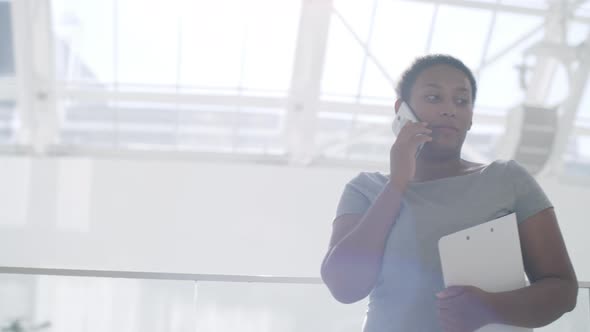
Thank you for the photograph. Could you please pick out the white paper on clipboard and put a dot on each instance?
(487, 256)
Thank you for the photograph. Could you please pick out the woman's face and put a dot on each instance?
(441, 96)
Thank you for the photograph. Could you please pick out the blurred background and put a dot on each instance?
(214, 137)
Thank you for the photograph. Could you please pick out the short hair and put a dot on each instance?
(408, 78)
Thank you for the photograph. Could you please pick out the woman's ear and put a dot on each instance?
(398, 103)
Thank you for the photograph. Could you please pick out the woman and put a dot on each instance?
(385, 235)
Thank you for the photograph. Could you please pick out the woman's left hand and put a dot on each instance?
(464, 309)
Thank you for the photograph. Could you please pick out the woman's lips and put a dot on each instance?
(445, 129)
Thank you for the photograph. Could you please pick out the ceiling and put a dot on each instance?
(304, 82)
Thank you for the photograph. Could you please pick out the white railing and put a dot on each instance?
(158, 275)
(299, 297)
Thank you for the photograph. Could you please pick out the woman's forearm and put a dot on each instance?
(536, 305)
(351, 267)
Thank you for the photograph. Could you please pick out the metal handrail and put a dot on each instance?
(174, 276)
(159, 275)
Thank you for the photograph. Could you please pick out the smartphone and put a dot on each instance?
(403, 115)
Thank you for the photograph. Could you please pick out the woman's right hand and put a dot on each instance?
(402, 156)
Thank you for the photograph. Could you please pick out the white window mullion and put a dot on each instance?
(35, 73)
(303, 101)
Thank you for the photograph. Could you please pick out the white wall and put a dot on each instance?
(197, 217)
(171, 216)
(571, 206)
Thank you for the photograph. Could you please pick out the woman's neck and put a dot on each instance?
(432, 169)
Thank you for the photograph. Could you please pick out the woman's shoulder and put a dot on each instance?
(370, 178)
(369, 183)
(506, 169)
(505, 165)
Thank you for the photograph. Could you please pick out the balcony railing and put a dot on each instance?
(113, 301)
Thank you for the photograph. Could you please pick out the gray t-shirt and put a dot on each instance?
(404, 296)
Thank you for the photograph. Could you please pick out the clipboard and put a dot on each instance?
(487, 256)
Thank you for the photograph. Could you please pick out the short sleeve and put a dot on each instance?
(356, 197)
(530, 198)
(352, 201)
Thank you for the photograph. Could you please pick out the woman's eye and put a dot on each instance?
(432, 98)
(462, 101)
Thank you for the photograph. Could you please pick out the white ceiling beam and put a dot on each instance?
(304, 93)
(503, 8)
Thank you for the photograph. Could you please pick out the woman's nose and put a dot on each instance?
(449, 113)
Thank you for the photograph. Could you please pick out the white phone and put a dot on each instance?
(403, 115)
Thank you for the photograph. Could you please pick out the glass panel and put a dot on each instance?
(147, 41)
(269, 53)
(368, 151)
(395, 51)
(354, 136)
(84, 41)
(257, 307)
(212, 60)
(584, 107)
(377, 89)
(6, 45)
(456, 39)
(140, 125)
(499, 81)
(361, 137)
(154, 45)
(577, 156)
(357, 15)
(118, 123)
(333, 133)
(583, 10)
(76, 304)
(8, 121)
(559, 87)
(508, 29)
(527, 3)
(87, 304)
(577, 32)
(342, 74)
(243, 52)
(483, 138)
(82, 304)
(17, 299)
